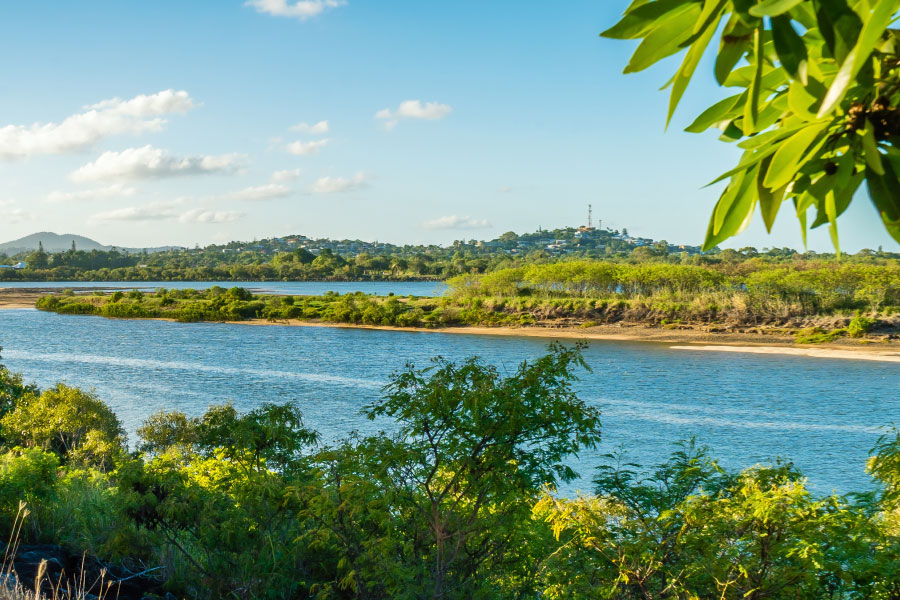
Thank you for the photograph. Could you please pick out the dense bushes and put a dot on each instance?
(752, 292)
(457, 503)
(817, 286)
(567, 293)
(75, 425)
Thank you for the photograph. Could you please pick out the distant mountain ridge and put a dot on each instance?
(54, 242)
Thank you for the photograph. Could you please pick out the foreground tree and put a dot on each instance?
(12, 389)
(816, 109)
(692, 530)
(442, 508)
(76, 425)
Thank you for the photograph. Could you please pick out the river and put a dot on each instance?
(824, 414)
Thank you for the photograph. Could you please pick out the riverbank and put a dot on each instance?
(20, 298)
(683, 337)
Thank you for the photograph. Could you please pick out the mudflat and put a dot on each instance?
(20, 297)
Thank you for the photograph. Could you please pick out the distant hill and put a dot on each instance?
(54, 242)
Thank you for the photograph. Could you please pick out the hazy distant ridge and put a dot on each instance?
(54, 242)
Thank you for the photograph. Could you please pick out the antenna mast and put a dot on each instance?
(590, 214)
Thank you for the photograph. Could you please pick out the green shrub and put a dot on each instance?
(123, 310)
(76, 308)
(860, 326)
(76, 425)
(817, 335)
(50, 303)
(239, 293)
(26, 475)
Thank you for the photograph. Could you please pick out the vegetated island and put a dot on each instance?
(828, 303)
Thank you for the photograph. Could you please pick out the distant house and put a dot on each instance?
(17, 266)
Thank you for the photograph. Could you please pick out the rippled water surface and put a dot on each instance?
(824, 414)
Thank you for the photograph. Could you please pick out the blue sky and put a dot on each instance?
(168, 122)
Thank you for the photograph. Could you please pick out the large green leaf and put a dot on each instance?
(770, 137)
(751, 107)
(720, 212)
(772, 8)
(831, 212)
(730, 53)
(804, 100)
(666, 39)
(733, 211)
(769, 200)
(839, 26)
(712, 13)
(689, 65)
(750, 159)
(791, 155)
(790, 48)
(801, 205)
(639, 21)
(870, 149)
(773, 112)
(723, 110)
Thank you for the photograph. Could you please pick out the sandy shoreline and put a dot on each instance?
(814, 352)
(678, 339)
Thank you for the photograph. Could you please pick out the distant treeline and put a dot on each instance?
(435, 263)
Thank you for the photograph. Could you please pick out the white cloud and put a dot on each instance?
(268, 191)
(199, 215)
(504, 189)
(149, 163)
(106, 118)
(455, 222)
(316, 128)
(286, 175)
(307, 148)
(104, 193)
(336, 185)
(159, 211)
(413, 109)
(298, 9)
(12, 216)
(165, 211)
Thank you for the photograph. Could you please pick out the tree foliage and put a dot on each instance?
(815, 111)
(455, 502)
(75, 424)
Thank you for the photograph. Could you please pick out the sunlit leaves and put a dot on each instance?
(817, 109)
(885, 193)
(734, 209)
(872, 31)
(790, 48)
(773, 8)
(790, 156)
(665, 39)
(642, 19)
(691, 60)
